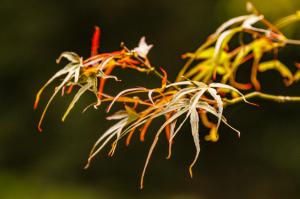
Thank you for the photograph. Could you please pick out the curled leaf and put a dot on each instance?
(194, 120)
(280, 67)
(70, 56)
(297, 76)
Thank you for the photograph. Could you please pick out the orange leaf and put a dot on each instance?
(130, 134)
(37, 99)
(70, 89)
(167, 129)
(144, 130)
(102, 82)
(164, 79)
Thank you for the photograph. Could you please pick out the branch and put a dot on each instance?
(256, 94)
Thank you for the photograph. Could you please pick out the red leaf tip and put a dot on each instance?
(40, 129)
(95, 41)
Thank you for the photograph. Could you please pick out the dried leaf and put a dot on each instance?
(194, 120)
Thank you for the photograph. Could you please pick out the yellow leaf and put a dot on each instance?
(280, 67)
(288, 20)
(205, 54)
(297, 76)
(213, 135)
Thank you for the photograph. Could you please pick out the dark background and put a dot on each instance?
(263, 163)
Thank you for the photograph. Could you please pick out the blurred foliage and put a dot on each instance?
(263, 163)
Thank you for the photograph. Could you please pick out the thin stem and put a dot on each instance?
(152, 69)
(292, 41)
(147, 64)
(265, 96)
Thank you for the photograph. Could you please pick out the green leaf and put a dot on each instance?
(82, 90)
(132, 114)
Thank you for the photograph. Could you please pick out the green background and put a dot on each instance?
(263, 163)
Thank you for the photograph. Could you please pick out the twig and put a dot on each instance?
(227, 102)
(265, 96)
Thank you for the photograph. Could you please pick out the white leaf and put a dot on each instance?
(118, 115)
(150, 96)
(143, 48)
(71, 56)
(219, 85)
(252, 20)
(218, 99)
(194, 120)
(179, 84)
(230, 22)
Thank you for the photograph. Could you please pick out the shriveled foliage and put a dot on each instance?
(205, 85)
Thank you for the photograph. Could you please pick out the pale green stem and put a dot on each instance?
(256, 94)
